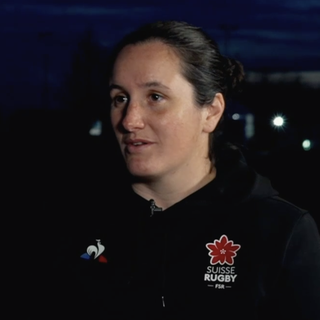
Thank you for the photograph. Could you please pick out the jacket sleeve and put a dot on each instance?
(302, 269)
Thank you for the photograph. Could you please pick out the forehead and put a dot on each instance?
(149, 49)
(153, 57)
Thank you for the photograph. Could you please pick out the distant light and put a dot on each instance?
(96, 128)
(249, 128)
(306, 145)
(236, 116)
(278, 121)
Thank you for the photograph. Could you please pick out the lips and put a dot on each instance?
(136, 145)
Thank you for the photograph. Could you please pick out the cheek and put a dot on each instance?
(180, 132)
(170, 126)
(188, 124)
(115, 118)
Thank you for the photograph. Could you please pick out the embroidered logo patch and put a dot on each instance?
(222, 252)
(95, 252)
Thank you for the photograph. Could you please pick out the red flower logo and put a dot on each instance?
(222, 251)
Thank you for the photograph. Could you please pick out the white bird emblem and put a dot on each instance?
(96, 250)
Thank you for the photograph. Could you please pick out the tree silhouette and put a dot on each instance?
(86, 91)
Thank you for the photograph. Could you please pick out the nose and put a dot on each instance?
(133, 117)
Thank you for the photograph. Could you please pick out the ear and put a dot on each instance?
(214, 112)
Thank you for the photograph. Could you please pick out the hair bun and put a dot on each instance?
(234, 76)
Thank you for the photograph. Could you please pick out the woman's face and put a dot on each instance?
(159, 128)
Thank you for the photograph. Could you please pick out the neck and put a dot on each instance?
(170, 190)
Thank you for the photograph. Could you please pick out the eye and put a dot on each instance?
(119, 100)
(156, 97)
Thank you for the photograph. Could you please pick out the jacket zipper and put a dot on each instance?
(154, 208)
(163, 269)
(163, 302)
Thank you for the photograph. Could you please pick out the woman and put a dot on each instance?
(162, 126)
(194, 233)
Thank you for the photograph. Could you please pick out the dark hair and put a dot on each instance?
(203, 66)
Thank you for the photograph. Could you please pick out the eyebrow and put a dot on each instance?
(155, 84)
(115, 86)
(146, 85)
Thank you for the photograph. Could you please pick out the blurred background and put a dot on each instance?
(55, 137)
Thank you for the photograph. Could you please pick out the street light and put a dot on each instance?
(278, 121)
(306, 144)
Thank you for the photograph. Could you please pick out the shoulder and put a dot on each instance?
(275, 215)
(277, 208)
(272, 222)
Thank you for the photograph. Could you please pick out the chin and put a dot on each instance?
(141, 173)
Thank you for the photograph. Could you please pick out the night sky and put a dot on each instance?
(273, 35)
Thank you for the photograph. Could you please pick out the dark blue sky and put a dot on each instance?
(280, 35)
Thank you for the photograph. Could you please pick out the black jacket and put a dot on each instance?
(232, 250)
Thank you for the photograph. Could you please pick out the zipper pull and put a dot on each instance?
(154, 208)
(163, 303)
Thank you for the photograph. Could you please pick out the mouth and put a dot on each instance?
(138, 143)
(134, 146)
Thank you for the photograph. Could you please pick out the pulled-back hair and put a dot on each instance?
(203, 66)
